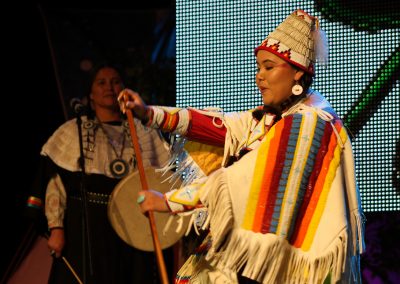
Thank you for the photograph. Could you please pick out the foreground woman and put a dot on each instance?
(283, 207)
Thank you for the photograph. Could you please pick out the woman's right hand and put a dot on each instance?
(132, 100)
(56, 241)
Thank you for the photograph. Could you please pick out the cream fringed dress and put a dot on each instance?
(288, 211)
(113, 261)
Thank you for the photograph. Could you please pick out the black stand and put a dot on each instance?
(86, 249)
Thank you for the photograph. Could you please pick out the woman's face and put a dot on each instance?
(105, 88)
(275, 78)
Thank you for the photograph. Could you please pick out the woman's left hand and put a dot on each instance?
(151, 200)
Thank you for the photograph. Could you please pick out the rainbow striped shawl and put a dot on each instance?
(289, 211)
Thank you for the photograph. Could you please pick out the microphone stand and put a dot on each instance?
(86, 249)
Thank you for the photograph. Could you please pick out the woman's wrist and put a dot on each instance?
(147, 116)
(56, 228)
(173, 207)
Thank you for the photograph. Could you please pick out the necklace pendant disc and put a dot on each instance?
(119, 168)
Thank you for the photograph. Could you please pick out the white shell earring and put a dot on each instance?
(297, 89)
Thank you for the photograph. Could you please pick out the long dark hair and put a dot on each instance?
(305, 81)
(92, 76)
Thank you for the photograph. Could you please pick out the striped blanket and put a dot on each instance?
(288, 211)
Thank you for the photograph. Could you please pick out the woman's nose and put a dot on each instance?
(260, 76)
(109, 86)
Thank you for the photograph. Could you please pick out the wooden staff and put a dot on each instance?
(145, 186)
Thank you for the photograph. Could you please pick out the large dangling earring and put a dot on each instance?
(297, 89)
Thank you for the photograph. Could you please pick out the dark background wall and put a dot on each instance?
(30, 112)
(47, 51)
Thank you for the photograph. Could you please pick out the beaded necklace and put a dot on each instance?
(118, 167)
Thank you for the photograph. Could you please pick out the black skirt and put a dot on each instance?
(105, 258)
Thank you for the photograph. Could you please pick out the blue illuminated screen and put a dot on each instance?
(216, 68)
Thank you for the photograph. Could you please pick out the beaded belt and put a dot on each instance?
(94, 197)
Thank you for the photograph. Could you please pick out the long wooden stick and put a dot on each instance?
(157, 247)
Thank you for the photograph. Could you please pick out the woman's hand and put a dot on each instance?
(56, 241)
(129, 99)
(151, 200)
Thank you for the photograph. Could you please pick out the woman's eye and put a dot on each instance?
(258, 69)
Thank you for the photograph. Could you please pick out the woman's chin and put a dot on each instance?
(266, 101)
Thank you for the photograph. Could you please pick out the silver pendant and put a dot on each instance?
(119, 168)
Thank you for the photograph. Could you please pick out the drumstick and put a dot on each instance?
(143, 180)
(66, 262)
(72, 270)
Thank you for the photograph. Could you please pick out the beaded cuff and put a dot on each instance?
(169, 119)
(34, 202)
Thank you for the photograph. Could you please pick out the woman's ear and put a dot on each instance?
(91, 96)
(298, 75)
